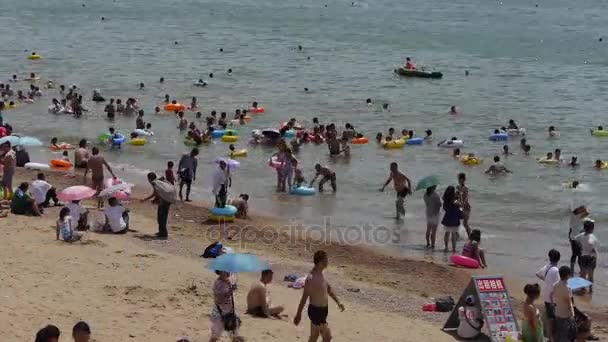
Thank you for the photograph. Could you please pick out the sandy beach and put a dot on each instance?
(134, 288)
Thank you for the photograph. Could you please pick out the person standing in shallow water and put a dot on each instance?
(402, 186)
(433, 207)
(462, 195)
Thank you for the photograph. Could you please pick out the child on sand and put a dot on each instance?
(64, 229)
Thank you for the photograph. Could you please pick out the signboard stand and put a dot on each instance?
(494, 303)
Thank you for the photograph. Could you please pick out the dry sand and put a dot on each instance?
(133, 288)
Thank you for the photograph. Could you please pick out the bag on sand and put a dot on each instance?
(165, 190)
(444, 304)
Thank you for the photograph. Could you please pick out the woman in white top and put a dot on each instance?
(117, 218)
(589, 247)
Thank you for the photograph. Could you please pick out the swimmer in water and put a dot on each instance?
(162, 80)
(193, 104)
(553, 133)
(456, 153)
(157, 110)
(558, 154)
(345, 148)
(522, 143)
(505, 151)
(65, 156)
(379, 138)
(327, 176)
(141, 86)
(167, 98)
(429, 135)
(549, 156)
(229, 71)
(368, 102)
(211, 75)
(497, 167)
(453, 110)
(200, 83)
(573, 162)
(391, 131)
(404, 133)
(527, 149)
(182, 122)
(385, 106)
(53, 144)
(512, 124)
(599, 164)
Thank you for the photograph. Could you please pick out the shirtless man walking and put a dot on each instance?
(317, 289)
(402, 185)
(96, 163)
(327, 176)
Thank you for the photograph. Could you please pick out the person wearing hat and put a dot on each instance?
(589, 245)
(470, 318)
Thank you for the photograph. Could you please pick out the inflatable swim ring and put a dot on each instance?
(61, 147)
(175, 107)
(143, 132)
(464, 261)
(228, 210)
(466, 160)
(451, 143)
(28, 101)
(303, 191)
(257, 110)
(238, 153)
(359, 141)
(217, 218)
(546, 161)
(10, 106)
(231, 132)
(604, 165)
(120, 195)
(415, 141)
(34, 57)
(32, 79)
(498, 137)
(61, 163)
(118, 139)
(218, 133)
(138, 141)
(516, 132)
(597, 133)
(289, 134)
(36, 166)
(104, 138)
(399, 143)
(230, 138)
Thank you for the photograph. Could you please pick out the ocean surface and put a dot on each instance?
(539, 63)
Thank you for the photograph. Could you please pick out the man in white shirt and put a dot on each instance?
(549, 274)
(221, 182)
(589, 246)
(44, 192)
(117, 218)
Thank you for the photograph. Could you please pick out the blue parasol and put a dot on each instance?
(238, 263)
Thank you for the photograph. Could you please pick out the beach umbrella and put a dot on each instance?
(238, 263)
(427, 182)
(23, 141)
(233, 164)
(578, 283)
(271, 133)
(13, 139)
(76, 193)
(117, 191)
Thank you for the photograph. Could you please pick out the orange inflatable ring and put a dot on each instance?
(257, 110)
(61, 147)
(61, 163)
(175, 107)
(360, 141)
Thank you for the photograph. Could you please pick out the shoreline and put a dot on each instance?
(374, 278)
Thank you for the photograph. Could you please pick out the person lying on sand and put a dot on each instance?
(258, 298)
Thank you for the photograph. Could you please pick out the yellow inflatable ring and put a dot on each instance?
(138, 141)
(546, 161)
(220, 219)
(239, 153)
(230, 138)
(34, 57)
(466, 160)
(399, 143)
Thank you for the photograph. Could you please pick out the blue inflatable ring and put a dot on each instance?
(228, 210)
(303, 191)
(415, 141)
(499, 137)
(289, 134)
(218, 133)
(118, 139)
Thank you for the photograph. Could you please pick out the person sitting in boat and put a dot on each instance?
(409, 64)
(512, 124)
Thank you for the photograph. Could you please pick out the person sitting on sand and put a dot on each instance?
(327, 176)
(81, 332)
(241, 205)
(497, 168)
(23, 203)
(64, 229)
(472, 250)
(44, 192)
(116, 217)
(258, 298)
(79, 215)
